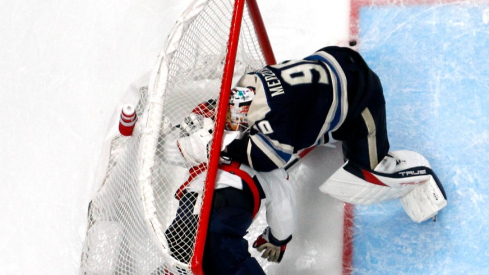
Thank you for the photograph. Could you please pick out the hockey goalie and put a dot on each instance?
(135, 226)
(297, 105)
(327, 96)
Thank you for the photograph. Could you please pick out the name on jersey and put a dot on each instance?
(272, 81)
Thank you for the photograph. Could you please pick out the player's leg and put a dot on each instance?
(179, 233)
(226, 251)
(402, 174)
(366, 146)
(364, 133)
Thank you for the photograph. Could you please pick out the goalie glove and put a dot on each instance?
(273, 249)
(194, 146)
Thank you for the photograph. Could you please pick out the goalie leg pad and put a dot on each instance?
(402, 174)
(425, 201)
(354, 185)
(178, 234)
(226, 250)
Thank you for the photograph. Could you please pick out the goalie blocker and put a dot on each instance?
(401, 174)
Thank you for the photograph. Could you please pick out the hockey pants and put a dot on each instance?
(364, 133)
(226, 250)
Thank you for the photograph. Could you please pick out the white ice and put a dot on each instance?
(63, 67)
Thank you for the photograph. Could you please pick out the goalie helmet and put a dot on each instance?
(239, 103)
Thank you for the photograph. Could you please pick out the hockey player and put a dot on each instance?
(333, 95)
(239, 192)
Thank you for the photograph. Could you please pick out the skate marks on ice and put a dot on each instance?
(317, 245)
(432, 61)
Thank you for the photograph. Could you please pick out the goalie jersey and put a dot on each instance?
(298, 104)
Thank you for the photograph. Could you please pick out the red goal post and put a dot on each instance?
(221, 115)
(213, 43)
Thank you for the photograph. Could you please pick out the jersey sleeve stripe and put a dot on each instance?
(340, 91)
(277, 157)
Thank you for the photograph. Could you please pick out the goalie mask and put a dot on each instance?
(239, 103)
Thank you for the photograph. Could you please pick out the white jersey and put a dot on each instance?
(277, 197)
(279, 200)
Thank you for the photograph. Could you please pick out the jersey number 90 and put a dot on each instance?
(300, 72)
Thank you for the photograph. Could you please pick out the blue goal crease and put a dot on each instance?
(433, 63)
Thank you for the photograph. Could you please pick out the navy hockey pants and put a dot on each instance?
(226, 251)
(364, 132)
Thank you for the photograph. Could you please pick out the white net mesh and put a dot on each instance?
(129, 218)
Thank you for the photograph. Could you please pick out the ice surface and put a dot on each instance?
(432, 60)
(64, 65)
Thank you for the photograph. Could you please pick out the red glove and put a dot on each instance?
(273, 249)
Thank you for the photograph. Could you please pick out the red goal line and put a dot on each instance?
(356, 5)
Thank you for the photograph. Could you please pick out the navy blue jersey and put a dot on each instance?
(299, 103)
(296, 103)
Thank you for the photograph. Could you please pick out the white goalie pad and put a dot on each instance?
(350, 188)
(402, 174)
(194, 148)
(425, 201)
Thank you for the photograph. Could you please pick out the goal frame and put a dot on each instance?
(232, 47)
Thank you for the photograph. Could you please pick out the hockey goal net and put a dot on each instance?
(131, 212)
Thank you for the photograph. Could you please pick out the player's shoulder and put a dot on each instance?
(337, 49)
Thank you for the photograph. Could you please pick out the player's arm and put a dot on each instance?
(281, 215)
(237, 150)
(256, 151)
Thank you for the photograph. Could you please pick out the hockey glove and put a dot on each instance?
(273, 249)
(237, 149)
(194, 147)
